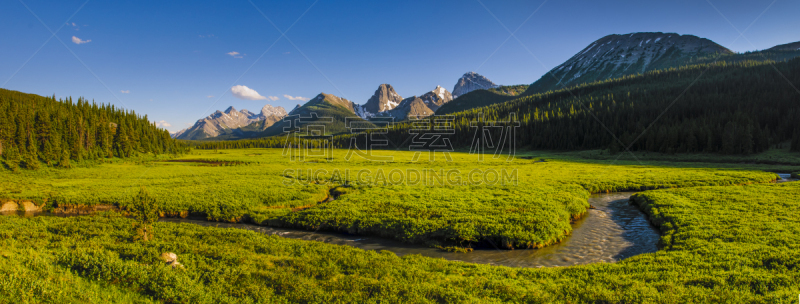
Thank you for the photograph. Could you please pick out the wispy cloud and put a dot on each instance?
(243, 92)
(295, 97)
(163, 124)
(77, 40)
(207, 36)
(235, 54)
(124, 91)
(273, 98)
(287, 53)
(210, 96)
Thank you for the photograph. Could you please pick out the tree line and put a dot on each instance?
(37, 130)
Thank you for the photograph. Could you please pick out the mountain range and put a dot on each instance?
(230, 121)
(412, 107)
(385, 102)
(609, 57)
(616, 56)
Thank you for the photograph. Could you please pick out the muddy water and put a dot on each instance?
(613, 231)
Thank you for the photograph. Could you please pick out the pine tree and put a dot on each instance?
(122, 145)
(144, 211)
(64, 162)
(12, 157)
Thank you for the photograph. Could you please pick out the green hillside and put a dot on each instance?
(737, 108)
(549, 83)
(325, 109)
(480, 98)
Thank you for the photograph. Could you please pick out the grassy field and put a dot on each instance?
(454, 204)
(731, 244)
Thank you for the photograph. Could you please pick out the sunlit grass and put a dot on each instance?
(730, 244)
(533, 208)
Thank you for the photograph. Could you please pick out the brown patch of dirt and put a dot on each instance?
(83, 209)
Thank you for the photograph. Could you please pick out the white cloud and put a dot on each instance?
(235, 54)
(163, 124)
(243, 92)
(273, 98)
(210, 96)
(124, 91)
(295, 97)
(287, 53)
(77, 40)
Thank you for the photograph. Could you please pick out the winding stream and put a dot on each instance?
(613, 231)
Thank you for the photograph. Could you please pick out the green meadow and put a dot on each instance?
(729, 244)
(466, 202)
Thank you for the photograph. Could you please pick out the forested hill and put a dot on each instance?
(730, 108)
(549, 81)
(36, 130)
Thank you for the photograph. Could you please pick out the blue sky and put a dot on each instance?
(174, 60)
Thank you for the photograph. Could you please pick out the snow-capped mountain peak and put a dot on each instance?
(436, 98)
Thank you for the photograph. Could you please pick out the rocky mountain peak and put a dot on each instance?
(384, 99)
(412, 107)
(436, 98)
(269, 110)
(472, 81)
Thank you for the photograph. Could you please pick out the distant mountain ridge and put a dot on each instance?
(224, 122)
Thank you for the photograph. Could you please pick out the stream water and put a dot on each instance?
(612, 231)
